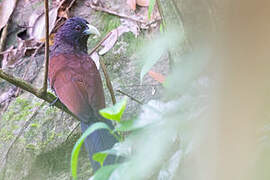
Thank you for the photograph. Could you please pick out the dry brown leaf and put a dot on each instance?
(132, 4)
(111, 40)
(143, 3)
(157, 76)
(6, 9)
(10, 56)
(13, 56)
(51, 39)
(37, 24)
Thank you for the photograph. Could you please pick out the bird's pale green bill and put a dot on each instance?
(91, 30)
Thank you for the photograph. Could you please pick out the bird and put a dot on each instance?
(75, 79)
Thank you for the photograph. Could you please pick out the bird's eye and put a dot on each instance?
(78, 28)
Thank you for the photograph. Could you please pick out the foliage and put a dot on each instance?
(151, 7)
(114, 112)
(77, 147)
(161, 126)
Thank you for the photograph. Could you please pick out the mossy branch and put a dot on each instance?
(48, 97)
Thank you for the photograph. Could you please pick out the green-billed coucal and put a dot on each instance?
(76, 80)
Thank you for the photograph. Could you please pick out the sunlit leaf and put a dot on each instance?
(100, 157)
(161, 28)
(77, 147)
(114, 112)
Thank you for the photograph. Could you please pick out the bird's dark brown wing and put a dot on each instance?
(77, 83)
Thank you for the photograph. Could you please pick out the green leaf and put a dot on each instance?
(151, 7)
(105, 172)
(124, 126)
(161, 28)
(114, 112)
(100, 157)
(77, 147)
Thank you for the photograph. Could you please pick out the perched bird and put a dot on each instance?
(76, 81)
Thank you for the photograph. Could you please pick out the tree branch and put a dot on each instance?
(44, 88)
(49, 97)
(108, 81)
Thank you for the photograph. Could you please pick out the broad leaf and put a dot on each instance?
(77, 147)
(100, 157)
(114, 112)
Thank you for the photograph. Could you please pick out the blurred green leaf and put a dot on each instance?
(161, 28)
(114, 112)
(105, 172)
(151, 7)
(77, 147)
(159, 45)
(125, 126)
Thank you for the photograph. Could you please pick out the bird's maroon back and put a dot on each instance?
(77, 83)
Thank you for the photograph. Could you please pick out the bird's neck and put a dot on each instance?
(62, 45)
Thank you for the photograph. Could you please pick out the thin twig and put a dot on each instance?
(46, 58)
(108, 81)
(97, 8)
(71, 4)
(100, 43)
(26, 124)
(3, 41)
(4, 37)
(132, 98)
(72, 131)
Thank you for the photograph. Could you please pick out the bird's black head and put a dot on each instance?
(75, 33)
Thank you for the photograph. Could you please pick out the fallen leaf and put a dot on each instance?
(13, 56)
(37, 24)
(157, 76)
(132, 4)
(143, 3)
(111, 40)
(9, 57)
(6, 9)
(95, 58)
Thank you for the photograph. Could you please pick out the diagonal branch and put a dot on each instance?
(49, 97)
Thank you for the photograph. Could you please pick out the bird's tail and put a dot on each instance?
(97, 141)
